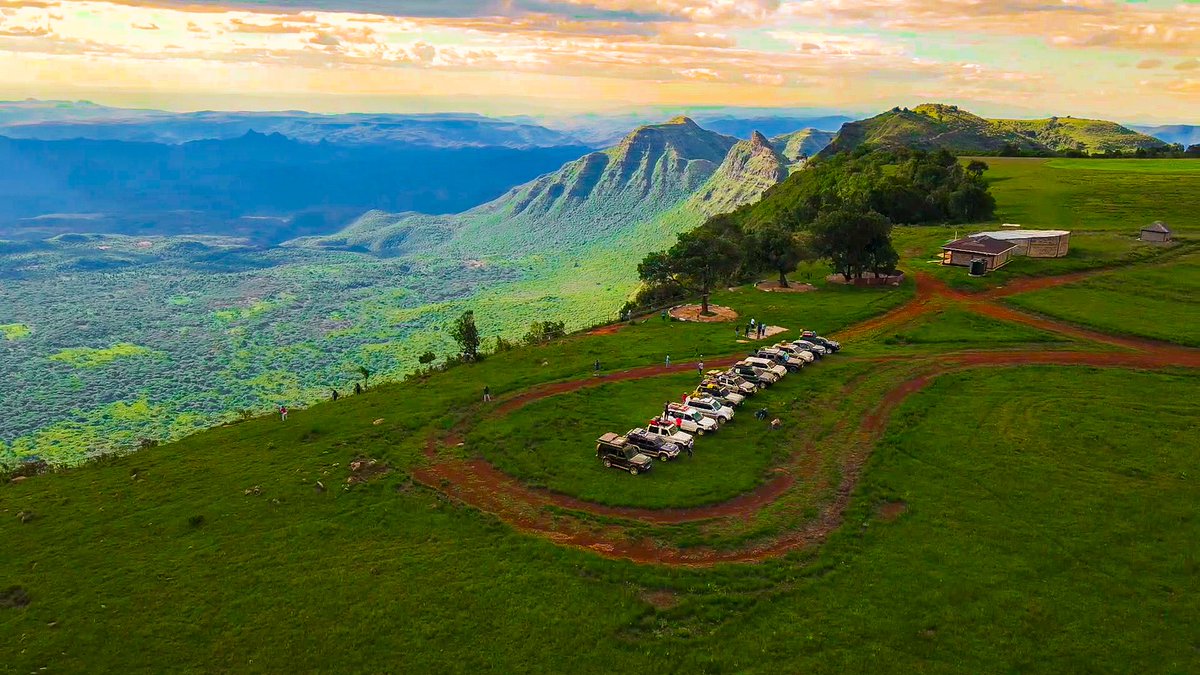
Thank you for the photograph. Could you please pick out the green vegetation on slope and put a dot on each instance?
(933, 125)
(1159, 301)
(219, 553)
(14, 331)
(1091, 195)
(93, 357)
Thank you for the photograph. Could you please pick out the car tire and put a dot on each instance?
(700, 431)
(633, 471)
(608, 463)
(664, 457)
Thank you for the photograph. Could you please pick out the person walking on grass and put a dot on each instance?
(700, 368)
(283, 413)
(487, 394)
(596, 369)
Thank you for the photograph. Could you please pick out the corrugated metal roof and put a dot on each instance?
(1023, 234)
(980, 244)
(1157, 226)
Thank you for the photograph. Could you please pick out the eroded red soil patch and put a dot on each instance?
(716, 314)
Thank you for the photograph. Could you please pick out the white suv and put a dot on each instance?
(711, 408)
(690, 419)
(767, 365)
(671, 432)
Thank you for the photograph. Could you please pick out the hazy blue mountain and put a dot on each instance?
(55, 120)
(267, 187)
(1183, 134)
(602, 130)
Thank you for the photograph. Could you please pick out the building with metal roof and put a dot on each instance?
(1156, 231)
(996, 253)
(1035, 243)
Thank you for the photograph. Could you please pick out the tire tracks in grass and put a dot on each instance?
(479, 484)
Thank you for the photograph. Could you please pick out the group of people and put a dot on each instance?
(753, 329)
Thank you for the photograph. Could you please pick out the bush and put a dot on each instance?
(541, 332)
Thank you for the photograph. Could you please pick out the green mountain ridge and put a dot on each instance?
(657, 181)
(798, 146)
(934, 125)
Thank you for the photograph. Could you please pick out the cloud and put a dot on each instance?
(1188, 64)
(1148, 64)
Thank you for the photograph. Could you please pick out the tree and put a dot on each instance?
(541, 332)
(466, 335)
(854, 241)
(977, 167)
(366, 374)
(698, 262)
(778, 249)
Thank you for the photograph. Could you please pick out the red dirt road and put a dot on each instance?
(478, 484)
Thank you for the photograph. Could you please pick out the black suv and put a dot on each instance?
(652, 444)
(616, 451)
(831, 345)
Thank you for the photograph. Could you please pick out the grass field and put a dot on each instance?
(551, 443)
(997, 564)
(961, 329)
(1094, 195)
(1155, 301)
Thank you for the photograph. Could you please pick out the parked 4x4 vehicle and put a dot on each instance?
(669, 430)
(767, 365)
(733, 381)
(832, 345)
(616, 451)
(816, 349)
(781, 358)
(720, 392)
(690, 419)
(711, 408)
(797, 353)
(653, 444)
(754, 374)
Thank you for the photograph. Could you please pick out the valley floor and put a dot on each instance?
(968, 487)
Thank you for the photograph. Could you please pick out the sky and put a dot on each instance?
(1117, 59)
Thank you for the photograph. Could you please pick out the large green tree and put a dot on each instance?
(466, 334)
(855, 241)
(698, 262)
(777, 248)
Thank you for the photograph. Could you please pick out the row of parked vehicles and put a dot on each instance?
(710, 406)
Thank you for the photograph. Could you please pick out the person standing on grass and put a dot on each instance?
(335, 394)
(668, 361)
(597, 368)
(700, 368)
(357, 388)
(487, 393)
(283, 413)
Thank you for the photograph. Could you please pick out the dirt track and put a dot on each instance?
(478, 484)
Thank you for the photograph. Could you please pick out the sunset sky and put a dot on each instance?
(1133, 61)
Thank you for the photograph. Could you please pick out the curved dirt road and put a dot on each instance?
(564, 519)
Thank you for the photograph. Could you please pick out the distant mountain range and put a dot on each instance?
(267, 188)
(933, 126)
(658, 180)
(55, 120)
(1183, 134)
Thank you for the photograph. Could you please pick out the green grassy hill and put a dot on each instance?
(933, 125)
(989, 531)
(799, 145)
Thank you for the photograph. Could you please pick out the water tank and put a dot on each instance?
(978, 267)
